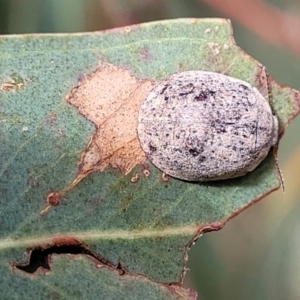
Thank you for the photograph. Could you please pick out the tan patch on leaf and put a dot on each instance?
(8, 86)
(110, 98)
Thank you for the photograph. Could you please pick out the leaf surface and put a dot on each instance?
(57, 183)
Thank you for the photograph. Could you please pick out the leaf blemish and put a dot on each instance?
(16, 83)
(146, 173)
(135, 178)
(146, 54)
(110, 97)
(9, 86)
(165, 177)
(54, 198)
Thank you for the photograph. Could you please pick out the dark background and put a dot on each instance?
(256, 255)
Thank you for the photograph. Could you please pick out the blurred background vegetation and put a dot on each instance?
(256, 255)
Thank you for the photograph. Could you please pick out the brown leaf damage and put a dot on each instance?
(110, 98)
(39, 257)
(41, 260)
(8, 86)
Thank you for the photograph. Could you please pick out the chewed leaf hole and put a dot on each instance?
(40, 257)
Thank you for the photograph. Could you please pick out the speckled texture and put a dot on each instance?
(202, 126)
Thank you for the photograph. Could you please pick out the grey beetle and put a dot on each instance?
(202, 126)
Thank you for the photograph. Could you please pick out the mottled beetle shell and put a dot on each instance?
(202, 126)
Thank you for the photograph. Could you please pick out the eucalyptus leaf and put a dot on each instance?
(138, 223)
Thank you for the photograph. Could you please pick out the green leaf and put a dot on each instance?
(50, 201)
